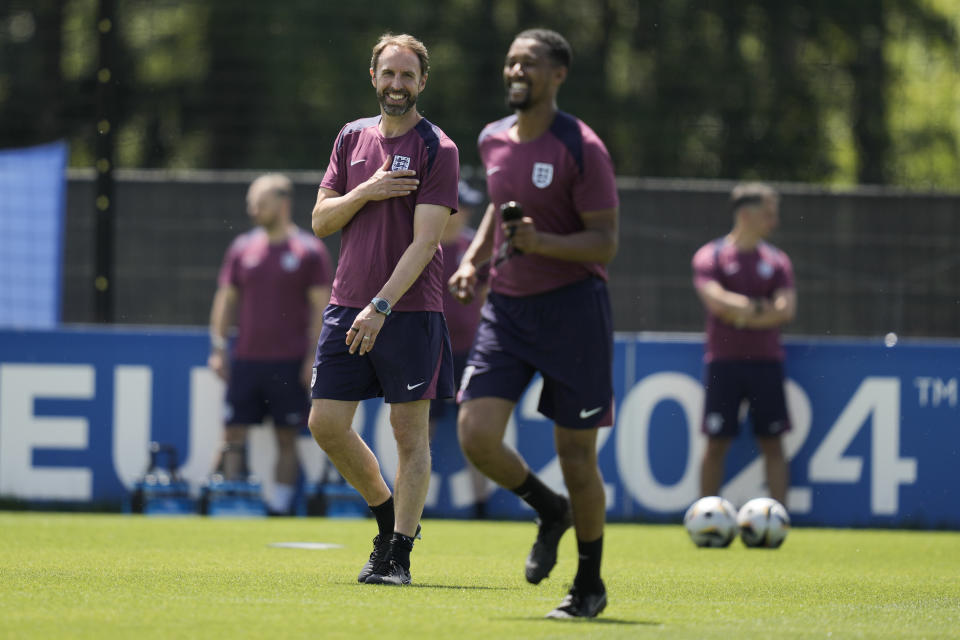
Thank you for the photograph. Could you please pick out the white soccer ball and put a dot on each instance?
(711, 522)
(763, 522)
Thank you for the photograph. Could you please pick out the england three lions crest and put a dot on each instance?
(400, 163)
(542, 174)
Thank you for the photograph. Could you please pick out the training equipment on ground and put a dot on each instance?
(236, 496)
(161, 490)
(331, 496)
(711, 522)
(763, 522)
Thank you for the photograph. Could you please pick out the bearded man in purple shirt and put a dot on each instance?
(746, 286)
(390, 188)
(548, 310)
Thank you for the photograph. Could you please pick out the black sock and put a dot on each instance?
(480, 510)
(588, 569)
(400, 548)
(384, 515)
(547, 504)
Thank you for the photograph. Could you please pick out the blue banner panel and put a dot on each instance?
(874, 434)
(874, 439)
(32, 203)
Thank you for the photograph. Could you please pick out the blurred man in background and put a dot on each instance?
(548, 309)
(462, 321)
(273, 285)
(390, 186)
(746, 286)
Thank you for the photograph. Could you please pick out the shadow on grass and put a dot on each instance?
(423, 585)
(648, 623)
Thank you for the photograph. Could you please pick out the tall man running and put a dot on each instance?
(548, 308)
(391, 186)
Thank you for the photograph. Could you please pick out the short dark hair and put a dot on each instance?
(557, 46)
(751, 193)
(404, 41)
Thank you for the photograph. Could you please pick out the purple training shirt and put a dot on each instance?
(757, 274)
(555, 178)
(373, 241)
(273, 318)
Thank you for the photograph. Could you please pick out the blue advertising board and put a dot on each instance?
(875, 435)
(33, 188)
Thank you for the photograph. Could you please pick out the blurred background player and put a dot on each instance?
(548, 309)
(273, 285)
(462, 321)
(746, 286)
(390, 186)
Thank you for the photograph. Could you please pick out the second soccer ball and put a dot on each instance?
(763, 522)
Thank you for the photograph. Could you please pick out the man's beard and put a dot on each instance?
(396, 109)
(518, 104)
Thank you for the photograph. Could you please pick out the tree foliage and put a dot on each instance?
(837, 91)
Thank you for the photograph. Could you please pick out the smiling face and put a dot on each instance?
(530, 76)
(398, 80)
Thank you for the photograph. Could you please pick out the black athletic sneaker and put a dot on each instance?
(389, 571)
(543, 555)
(381, 549)
(580, 604)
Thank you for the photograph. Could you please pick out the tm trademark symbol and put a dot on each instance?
(935, 392)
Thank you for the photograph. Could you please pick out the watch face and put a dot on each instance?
(381, 305)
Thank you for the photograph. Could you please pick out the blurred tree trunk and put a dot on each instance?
(792, 114)
(49, 115)
(599, 65)
(869, 109)
(735, 101)
(236, 90)
(32, 47)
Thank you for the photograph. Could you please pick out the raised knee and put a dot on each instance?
(478, 444)
(473, 439)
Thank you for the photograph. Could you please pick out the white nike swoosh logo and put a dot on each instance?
(584, 414)
(492, 170)
(358, 161)
(411, 387)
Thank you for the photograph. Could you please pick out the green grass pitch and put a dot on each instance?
(115, 576)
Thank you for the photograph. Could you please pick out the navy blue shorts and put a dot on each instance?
(565, 334)
(439, 409)
(727, 384)
(259, 388)
(411, 359)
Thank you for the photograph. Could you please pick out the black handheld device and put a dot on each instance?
(511, 211)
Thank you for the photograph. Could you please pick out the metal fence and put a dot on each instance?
(868, 261)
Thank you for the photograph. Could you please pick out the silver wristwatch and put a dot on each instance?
(381, 305)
